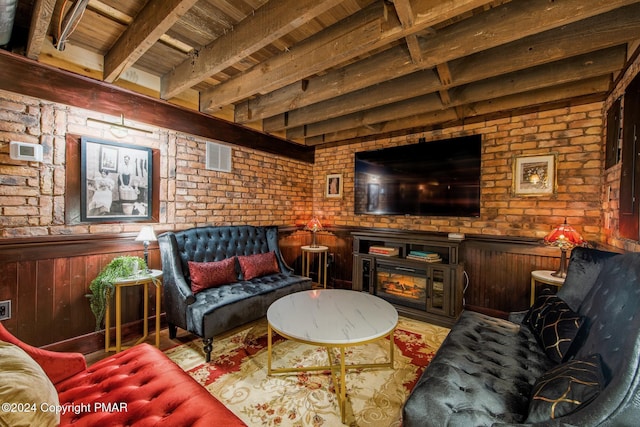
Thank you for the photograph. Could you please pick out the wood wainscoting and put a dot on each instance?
(47, 278)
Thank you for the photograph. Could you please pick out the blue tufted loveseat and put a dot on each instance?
(487, 369)
(221, 308)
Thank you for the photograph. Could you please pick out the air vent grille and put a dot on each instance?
(218, 157)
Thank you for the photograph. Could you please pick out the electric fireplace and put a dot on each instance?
(401, 285)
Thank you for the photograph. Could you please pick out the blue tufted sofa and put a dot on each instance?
(493, 372)
(221, 308)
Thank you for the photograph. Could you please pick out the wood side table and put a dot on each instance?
(544, 276)
(144, 280)
(323, 252)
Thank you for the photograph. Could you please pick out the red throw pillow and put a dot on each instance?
(206, 275)
(258, 265)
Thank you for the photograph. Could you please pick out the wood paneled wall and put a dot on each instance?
(47, 279)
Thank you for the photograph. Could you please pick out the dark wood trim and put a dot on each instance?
(25, 76)
(66, 246)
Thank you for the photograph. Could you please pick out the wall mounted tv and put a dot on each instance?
(436, 178)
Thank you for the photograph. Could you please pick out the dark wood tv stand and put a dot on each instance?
(428, 291)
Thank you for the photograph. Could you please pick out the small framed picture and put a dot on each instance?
(534, 175)
(333, 186)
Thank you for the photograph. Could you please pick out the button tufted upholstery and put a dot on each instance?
(484, 372)
(137, 387)
(219, 309)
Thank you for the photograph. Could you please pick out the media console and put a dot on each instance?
(420, 274)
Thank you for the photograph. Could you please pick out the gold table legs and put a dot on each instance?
(338, 371)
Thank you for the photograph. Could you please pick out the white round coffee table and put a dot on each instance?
(332, 318)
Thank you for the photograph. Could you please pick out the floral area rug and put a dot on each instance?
(237, 376)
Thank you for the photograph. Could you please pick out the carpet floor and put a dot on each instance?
(237, 376)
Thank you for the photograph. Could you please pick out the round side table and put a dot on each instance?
(544, 276)
(307, 252)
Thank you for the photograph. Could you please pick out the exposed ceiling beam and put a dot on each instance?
(354, 36)
(155, 19)
(590, 90)
(565, 71)
(269, 23)
(40, 21)
(405, 14)
(465, 38)
(596, 33)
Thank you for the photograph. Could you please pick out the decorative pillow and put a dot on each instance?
(26, 390)
(205, 275)
(533, 316)
(564, 388)
(258, 265)
(555, 326)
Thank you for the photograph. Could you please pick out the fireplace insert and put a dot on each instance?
(402, 285)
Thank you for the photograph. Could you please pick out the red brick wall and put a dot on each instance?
(574, 133)
(266, 189)
(262, 189)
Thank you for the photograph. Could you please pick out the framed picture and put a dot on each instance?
(333, 186)
(534, 175)
(115, 181)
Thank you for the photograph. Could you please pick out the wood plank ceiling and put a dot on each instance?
(317, 72)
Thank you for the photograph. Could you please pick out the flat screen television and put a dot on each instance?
(436, 178)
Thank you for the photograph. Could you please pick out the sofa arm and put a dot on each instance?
(58, 366)
(177, 292)
(273, 243)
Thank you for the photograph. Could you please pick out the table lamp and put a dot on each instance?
(313, 225)
(146, 235)
(565, 237)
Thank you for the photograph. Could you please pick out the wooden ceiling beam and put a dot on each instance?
(396, 62)
(155, 19)
(406, 15)
(40, 21)
(269, 23)
(357, 35)
(565, 71)
(595, 33)
(31, 78)
(583, 91)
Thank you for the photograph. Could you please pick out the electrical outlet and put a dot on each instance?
(5, 310)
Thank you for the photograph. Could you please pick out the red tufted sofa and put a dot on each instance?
(139, 386)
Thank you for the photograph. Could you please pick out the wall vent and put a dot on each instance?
(218, 157)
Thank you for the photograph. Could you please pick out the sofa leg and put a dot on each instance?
(173, 331)
(208, 346)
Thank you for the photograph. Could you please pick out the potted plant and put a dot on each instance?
(118, 268)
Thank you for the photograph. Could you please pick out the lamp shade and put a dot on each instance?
(313, 225)
(564, 236)
(146, 234)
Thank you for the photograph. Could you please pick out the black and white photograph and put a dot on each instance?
(115, 181)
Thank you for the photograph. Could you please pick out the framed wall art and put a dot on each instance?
(534, 175)
(333, 186)
(115, 181)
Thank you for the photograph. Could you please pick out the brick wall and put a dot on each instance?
(262, 188)
(574, 133)
(266, 189)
